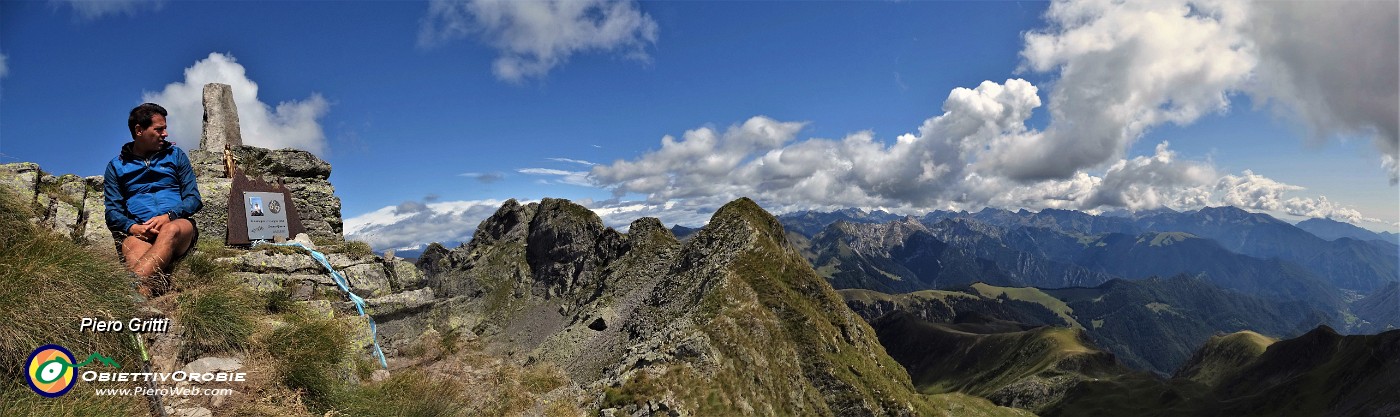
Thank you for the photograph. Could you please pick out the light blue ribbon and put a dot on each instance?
(344, 286)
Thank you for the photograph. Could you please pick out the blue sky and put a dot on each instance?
(432, 113)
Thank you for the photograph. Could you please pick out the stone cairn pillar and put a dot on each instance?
(220, 119)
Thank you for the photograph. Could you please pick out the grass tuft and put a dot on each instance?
(215, 319)
(353, 248)
(17, 400)
(310, 353)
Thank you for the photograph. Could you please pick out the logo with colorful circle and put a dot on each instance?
(51, 369)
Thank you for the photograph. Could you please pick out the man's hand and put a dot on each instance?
(156, 222)
(142, 231)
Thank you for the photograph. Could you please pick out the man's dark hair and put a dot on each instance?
(142, 115)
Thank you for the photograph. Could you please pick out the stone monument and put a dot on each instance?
(220, 119)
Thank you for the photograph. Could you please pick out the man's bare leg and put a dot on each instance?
(172, 240)
(133, 249)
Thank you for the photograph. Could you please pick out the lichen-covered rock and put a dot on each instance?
(287, 162)
(263, 262)
(261, 283)
(59, 215)
(341, 261)
(304, 175)
(20, 177)
(206, 164)
(399, 303)
(212, 219)
(94, 220)
(405, 276)
(368, 280)
(318, 206)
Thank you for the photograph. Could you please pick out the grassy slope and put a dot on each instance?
(786, 342)
(1224, 355)
(46, 284)
(1033, 295)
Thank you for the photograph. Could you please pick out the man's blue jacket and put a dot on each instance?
(137, 189)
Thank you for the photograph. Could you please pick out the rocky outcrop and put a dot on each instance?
(731, 322)
(68, 204)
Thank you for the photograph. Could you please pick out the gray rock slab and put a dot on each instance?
(398, 303)
(370, 278)
(213, 364)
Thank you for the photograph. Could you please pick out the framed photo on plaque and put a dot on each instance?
(266, 218)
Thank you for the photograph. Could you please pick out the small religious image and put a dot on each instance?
(255, 206)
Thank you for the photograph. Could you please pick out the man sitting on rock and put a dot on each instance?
(150, 194)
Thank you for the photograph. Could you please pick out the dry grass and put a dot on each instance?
(47, 284)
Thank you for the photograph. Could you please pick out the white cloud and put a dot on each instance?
(572, 161)
(96, 9)
(936, 169)
(1123, 68)
(292, 124)
(698, 164)
(413, 223)
(533, 37)
(1126, 67)
(4, 67)
(579, 178)
(1150, 182)
(1257, 192)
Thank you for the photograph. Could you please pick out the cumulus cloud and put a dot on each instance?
(1121, 69)
(96, 9)
(291, 124)
(1149, 182)
(1334, 65)
(938, 168)
(533, 37)
(1125, 67)
(699, 163)
(1257, 192)
(760, 158)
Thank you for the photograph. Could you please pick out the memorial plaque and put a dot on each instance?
(266, 216)
(259, 210)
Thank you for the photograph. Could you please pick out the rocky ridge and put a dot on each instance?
(730, 322)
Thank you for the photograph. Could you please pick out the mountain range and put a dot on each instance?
(1058, 313)
(989, 313)
(1148, 287)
